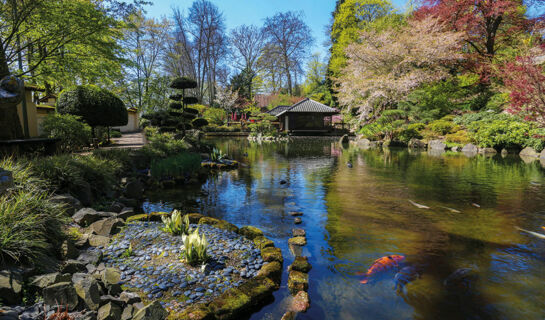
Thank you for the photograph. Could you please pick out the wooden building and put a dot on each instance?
(306, 116)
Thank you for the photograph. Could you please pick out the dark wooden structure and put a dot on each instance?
(306, 117)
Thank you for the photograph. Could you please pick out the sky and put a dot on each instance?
(317, 13)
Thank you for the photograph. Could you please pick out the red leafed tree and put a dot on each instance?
(525, 78)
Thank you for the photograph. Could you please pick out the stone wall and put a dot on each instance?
(6, 180)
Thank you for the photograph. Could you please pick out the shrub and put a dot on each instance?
(442, 127)
(411, 132)
(30, 224)
(74, 135)
(122, 157)
(195, 248)
(96, 106)
(501, 133)
(215, 116)
(176, 166)
(460, 137)
(162, 145)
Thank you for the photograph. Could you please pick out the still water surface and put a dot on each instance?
(353, 216)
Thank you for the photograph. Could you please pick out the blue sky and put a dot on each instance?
(317, 12)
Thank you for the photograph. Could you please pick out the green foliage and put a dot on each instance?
(217, 155)
(67, 173)
(412, 131)
(176, 166)
(460, 137)
(199, 123)
(183, 83)
(125, 158)
(96, 106)
(442, 127)
(195, 248)
(30, 224)
(128, 252)
(263, 124)
(74, 135)
(162, 145)
(501, 131)
(175, 224)
(215, 116)
(387, 126)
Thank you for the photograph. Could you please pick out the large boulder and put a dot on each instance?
(106, 227)
(250, 232)
(436, 145)
(86, 216)
(529, 152)
(470, 148)
(88, 289)
(61, 294)
(153, 311)
(134, 189)
(69, 203)
(110, 276)
(40, 282)
(10, 287)
(69, 250)
(416, 144)
(98, 241)
(72, 266)
(109, 311)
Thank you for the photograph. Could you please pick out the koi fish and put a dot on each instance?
(382, 264)
(476, 205)
(535, 234)
(419, 206)
(451, 210)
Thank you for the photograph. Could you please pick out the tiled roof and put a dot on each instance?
(278, 110)
(309, 106)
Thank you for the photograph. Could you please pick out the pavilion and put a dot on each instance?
(306, 116)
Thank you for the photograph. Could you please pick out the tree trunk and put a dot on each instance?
(10, 126)
(4, 69)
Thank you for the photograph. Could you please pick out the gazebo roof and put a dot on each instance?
(308, 106)
(277, 110)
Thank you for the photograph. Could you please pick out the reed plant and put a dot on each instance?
(176, 166)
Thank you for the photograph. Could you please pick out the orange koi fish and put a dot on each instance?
(382, 264)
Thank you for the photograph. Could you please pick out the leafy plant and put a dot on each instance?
(128, 252)
(195, 248)
(175, 224)
(176, 166)
(73, 133)
(217, 155)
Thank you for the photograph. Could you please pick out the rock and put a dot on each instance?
(90, 257)
(416, 144)
(300, 302)
(297, 220)
(271, 270)
(344, 139)
(194, 217)
(295, 213)
(270, 254)
(69, 250)
(116, 207)
(258, 289)
(283, 182)
(262, 242)
(250, 232)
(69, 203)
(105, 299)
(196, 312)
(290, 315)
(529, 152)
(82, 191)
(487, 151)
(437, 145)
(300, 264)
(134, 189)
(10, 287)
(106, 227)
(504, 152)
(127, 313)
(109, 311)
(299, 241)
(98, 241)
(86, 216)
(61, 294)
(40, 282)
(153, 311)
(298, 232)
(110, 276)
(88, 290)
(470, 148)
(83, 241)
(129, 297)
(297, 281)
(125, 213)
(542, 154)
(73, 266)
(220, 224)
(456, 149)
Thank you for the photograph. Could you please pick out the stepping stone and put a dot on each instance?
(297, 220)
(299, 241)
(295, 213)
(298, 232)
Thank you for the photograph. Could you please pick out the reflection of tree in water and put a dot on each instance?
(369, 216)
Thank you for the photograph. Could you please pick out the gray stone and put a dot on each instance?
(72, 266)
(529, 152)
(542, 154)
(98, 241)
(106, 227)
(125, 213)
(470, 148)
(90, 257)
(68, 202)
(69, 250)
(129, 297)
(127, 313)
(436, 145)
(489, 151)
(110, 276)
(153, 311)
(109, 311)
(61, 294)
(134, 189)
(10, 287)
(88, 290)
(40, 282)
(86, 216)
(416, 144)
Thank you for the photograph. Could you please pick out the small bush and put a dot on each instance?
(461, 138)
(504, 133)
(442, 127)
(30, 224)
(176, 166)
(74, 135)
(162, 145)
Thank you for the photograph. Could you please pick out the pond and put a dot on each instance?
(355, 215)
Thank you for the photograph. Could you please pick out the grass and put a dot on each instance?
(176, 166)
(30, 224)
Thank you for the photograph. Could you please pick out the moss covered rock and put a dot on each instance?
(231, 304)
(220, 224)
(262, 242)
(259, 289)
(194, 312)
(298, 241)
(301, 264)
(300, 302)
(270, 254)
(153, 216)
(194, 217)
(297, 281)
(272, 270)
(251, 232)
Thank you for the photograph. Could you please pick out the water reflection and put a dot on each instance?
(355, 215)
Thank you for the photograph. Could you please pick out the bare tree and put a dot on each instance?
(247, 44)
(289, 34)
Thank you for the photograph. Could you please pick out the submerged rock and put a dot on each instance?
(299, 241)
(297, 281)
(300, 264)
